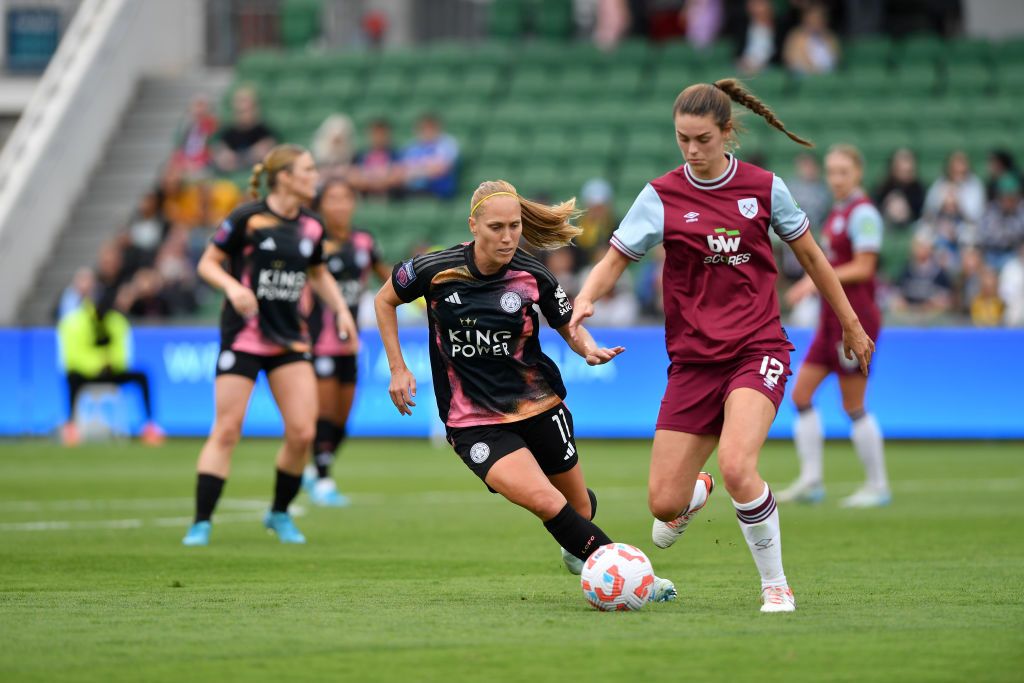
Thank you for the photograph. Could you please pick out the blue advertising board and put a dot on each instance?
(926, 383)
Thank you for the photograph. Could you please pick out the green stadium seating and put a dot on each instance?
(553, 19)
(873, 51)
(924, 49)
(968, 79)
(507, 18)
(915, 79)
(300, 22)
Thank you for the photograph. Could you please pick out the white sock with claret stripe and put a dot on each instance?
(810, 445)
(759, 522)
(867, 441)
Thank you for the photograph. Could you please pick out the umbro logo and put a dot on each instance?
(691, 217)
(268, 244)
(453, 299)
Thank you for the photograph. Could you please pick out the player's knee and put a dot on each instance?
(300, 436)
(666, 504)
(737, 474)
(226, 433)
(854, 409)
(544, 503)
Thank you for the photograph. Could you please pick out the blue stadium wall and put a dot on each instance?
(927, 383)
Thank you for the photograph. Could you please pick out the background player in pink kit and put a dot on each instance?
(262, 257)
(729, 354)
(350, 256)
(852, 238)
(498, 394)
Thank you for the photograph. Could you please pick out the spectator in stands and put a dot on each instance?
(925, 287)
(1001, 230)
(110, 272)
(1011, 289)
(900, 197)
(145, 232)
(376, 170)
(333, 146)
(757, 39)
(177, 271)
(193, 153)
(94, 348)
(611, 22)
(968, 279)
(143, 297)
(247, 138)
(564, 264)
(430, 164)
(948, 228)
(987, 308)
(703, 20)
(598, 220)
(1000, 163)
(809, 190)
(967, 187)
(81, 288)
(811, 47)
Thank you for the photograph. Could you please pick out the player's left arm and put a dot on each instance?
(324, 286)
(856, 342)
(584, 345)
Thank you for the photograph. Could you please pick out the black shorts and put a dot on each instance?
(548, 436)
(249, 364)
(340, 368)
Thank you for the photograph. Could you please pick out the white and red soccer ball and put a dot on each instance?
(617, 576)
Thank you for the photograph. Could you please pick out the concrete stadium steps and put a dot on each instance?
(131, 165)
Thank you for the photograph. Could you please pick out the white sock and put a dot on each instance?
(759, 522)
(867, 441)
(700, 495)
(810, 445)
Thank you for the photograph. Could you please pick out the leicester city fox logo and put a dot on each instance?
(511, 302)
(479, 452)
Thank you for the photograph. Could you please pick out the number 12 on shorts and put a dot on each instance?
(771, 369)
(563, 429)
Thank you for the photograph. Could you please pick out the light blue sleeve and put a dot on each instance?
(788, 220)
(643, 227)
(865, 229)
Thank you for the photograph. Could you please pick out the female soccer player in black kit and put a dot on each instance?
(262, 256)
(499, 396)
(350, 255)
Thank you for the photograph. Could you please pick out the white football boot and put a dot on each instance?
(572, 563)
(662, 590)
(665, 534)
(777, 599)
(802, 492)
(867, 497)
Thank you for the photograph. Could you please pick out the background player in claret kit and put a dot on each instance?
(852, 238)
(729, 354)
(350, 256)
(272, 247)
(499, 396)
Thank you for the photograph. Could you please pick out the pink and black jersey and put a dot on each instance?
(853, 226)
(485, 354)
(269, 254)
(719, 277)
(350, 263)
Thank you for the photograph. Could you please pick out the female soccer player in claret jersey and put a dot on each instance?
(852, 238)
(499, 396)
(262, 257)
(350, 256)
(729, 354)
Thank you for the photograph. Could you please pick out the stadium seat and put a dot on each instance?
(300, 22)
(969, 79)
(553, 19)
(506, 19)
(874, 51)
(921, 49)
(915, 79)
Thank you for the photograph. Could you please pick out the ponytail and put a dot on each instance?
(544, 226)
(254, 180)
(703, 99)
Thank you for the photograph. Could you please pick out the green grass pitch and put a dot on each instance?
(427, 577)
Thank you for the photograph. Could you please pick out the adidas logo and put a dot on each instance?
(268, 244)
(691, 217)
(453, 299)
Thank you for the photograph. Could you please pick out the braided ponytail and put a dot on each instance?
(706, 99)
(737, 93)
(254, 180)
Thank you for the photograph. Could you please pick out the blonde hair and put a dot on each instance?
(279, 158)
(850, 152)
(702, 99)
(544, 227)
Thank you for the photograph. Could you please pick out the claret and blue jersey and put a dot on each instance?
(719, 278)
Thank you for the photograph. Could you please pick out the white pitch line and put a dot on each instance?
(132, 504)
(69, 525)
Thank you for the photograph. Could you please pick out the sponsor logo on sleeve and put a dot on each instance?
(406, 274)
(562, 299)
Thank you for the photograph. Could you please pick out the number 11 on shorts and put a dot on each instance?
(563, 429)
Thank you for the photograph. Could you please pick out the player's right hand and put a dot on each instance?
(403, 390)
(581, 310)
(243, 300)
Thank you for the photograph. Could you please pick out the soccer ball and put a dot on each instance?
(617, 576)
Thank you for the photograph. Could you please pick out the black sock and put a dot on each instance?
(579, 536)
(324, 446)
(208, 490)
(285, 489)
(593, 503)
